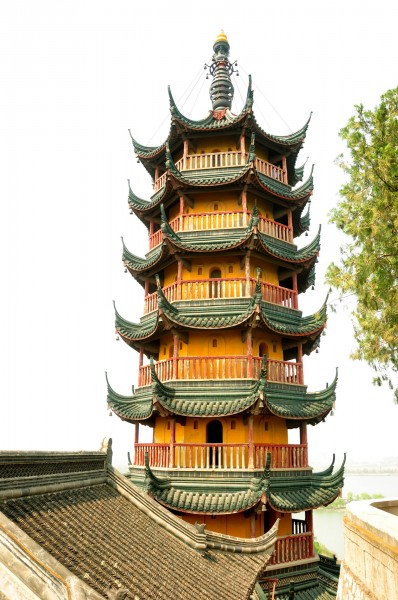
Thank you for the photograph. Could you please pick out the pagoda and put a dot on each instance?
(221, 340)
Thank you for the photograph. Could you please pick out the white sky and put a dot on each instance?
(74, 77)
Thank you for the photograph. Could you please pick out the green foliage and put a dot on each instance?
(321, 549)
(368, 213)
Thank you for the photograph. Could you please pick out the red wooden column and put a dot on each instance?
(290, 225)
(304, 441)
(184, 160)
(136, 441)
(295, 289)
(249, 352)
(175, 355)
(310, 528)
(251, 443)
(242, 149)
(247, 274)
(300, 360)
(146, 288)
(244, 207)
(179, 279)
(140, 364)
(172, 441)
(181, 218)
(284, 167)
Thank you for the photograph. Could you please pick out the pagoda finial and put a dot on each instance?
(221, 69)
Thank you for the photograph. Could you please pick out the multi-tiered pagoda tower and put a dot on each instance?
(222, 339)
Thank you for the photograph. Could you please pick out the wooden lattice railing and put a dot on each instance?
(222, 456)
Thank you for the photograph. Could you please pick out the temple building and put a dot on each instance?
(222, 339)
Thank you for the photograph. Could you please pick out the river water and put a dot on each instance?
(328, 523)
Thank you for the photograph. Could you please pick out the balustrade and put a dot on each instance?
(221, 367)
(222, 220)
(221, 456)
(221, 160)
(293, 547)
(203, 289)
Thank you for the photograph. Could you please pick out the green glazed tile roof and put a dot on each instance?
(284, 191)
(214, 314)
(138, 407)
(227, 397)
(313, 592)
(287, 495)
(290, 252)
(139, 205)
(207, 400)
(292, 139)
(298, 404)
(220, 497)
(226, 496)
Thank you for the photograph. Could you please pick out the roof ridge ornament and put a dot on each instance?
(221, 69)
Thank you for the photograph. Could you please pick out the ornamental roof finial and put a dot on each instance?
(221, 69)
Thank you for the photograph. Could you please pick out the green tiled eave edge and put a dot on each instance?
(284, 494)
(235, 396)
(222, 240)
(221, 316)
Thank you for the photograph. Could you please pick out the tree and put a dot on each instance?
(368, 213)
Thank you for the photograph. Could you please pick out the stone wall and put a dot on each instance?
(370, 568)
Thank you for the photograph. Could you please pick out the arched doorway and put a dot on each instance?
(214, 435)
(215, 286)
(263, 349)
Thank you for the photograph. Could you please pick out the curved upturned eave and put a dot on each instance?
(284, 191)
(290, 253)
(196, 402)
(136, 264)
(129, 408)
(208, 321)
(319, 491)
(210, 123)
(133, 332)
(292, 140)
(297, 405)
(309, 325)
(209, 503)
(140, 206)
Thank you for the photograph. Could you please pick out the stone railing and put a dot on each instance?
(222, 220)
(205, 289)
(222, 160)
(221, 367)
(370, 566)
(221, 456)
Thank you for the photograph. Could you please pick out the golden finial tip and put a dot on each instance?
(221, 37)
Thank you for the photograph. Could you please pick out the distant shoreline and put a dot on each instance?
(372, 470)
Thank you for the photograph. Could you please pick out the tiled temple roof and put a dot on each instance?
(294, 495)
(210, 241)
(228, 397)
(290, 144)
(296, 404)
(110, 536)
(215, 314)
(229, 495)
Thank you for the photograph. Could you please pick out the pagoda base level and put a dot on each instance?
(312, 579)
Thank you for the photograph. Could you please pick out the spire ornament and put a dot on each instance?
(221, 69)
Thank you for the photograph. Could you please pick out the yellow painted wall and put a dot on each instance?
(220, 143)
(237, 524)
(266, 430)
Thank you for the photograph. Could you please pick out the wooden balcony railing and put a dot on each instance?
(222, 456)
(204, 289)
(222, 220)
(222, 160)
(293, 547)
(221, 367)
